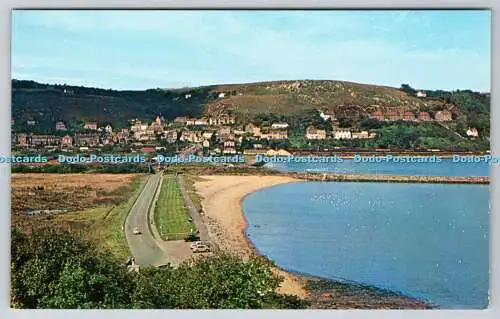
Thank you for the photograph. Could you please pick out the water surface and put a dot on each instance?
(445, 168)
(426, 240)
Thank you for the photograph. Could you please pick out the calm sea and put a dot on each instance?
(445, 168)
(425, 240)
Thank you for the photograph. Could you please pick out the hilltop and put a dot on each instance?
(291, 97)
(350, 101)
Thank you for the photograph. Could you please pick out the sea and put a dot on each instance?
(428, 241)
(447, 167)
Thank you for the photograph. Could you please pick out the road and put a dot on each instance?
(144, 247)
(193, 212)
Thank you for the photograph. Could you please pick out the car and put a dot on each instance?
(136, 231)
(193, 245)
(201, 248)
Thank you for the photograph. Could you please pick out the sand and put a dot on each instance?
(221, 203)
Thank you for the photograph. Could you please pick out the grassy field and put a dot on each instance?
(171, 216)
(98, 204)
(107, 221)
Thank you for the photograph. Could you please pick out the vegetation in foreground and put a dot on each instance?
(171, 215)
(54, 269)
(107, 231)
(98, 204)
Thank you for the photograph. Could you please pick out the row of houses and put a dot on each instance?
(277, 131)
(313, 133)
(223, 119)
(440, 116)
(78, 139)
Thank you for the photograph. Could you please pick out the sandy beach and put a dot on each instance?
(221, 202)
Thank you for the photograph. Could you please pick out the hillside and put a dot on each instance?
(289, 97)
(351, 102)
(48, 104)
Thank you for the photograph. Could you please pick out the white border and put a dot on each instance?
(5, 20)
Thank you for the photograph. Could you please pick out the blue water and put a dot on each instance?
(428, 241)
(445, 168)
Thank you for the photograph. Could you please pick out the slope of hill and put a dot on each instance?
(50, 103)
(345, 98)
(350, 101)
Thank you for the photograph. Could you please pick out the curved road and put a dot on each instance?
(144, 247)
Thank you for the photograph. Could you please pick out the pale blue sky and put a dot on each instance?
(150, 49)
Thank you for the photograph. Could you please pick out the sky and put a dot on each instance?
(138, 50)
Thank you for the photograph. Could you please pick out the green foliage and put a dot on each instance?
(408, 89)
(48, 104)
(216, 282)
(56, 269)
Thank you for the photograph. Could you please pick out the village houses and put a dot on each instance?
(279, 125)
(424, 117)
(171, 136)
(275, 134)
(87, 139)
(472, 132)
(342, 134)
(408, 116)
(90, 126)
(253, 129)
(108, 129)
(377, 115)
(66, 140)
(327, 115)
(181, 120)
(222, 119)
(360, 135)
(313, 133)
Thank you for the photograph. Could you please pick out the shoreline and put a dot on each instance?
(222, 198)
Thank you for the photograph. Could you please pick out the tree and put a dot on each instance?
(408, 89)
(55, 269)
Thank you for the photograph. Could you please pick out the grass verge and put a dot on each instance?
(107, 221)
(171, 215)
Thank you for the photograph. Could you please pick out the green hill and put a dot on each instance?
(286, 100)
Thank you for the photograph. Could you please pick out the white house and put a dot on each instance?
(472, 132)
(342, 134)
(187, 96)
(327, 115)
(279, 125)
(108, 129)
(221, 95)
(421, 94)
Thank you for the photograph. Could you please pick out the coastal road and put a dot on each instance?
(193, 212)
(144, 247)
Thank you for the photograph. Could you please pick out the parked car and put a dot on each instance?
(201, 248)
(191, 237)
(196, 243)
(136, 231)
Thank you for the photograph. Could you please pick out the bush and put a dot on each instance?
(52, 268)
